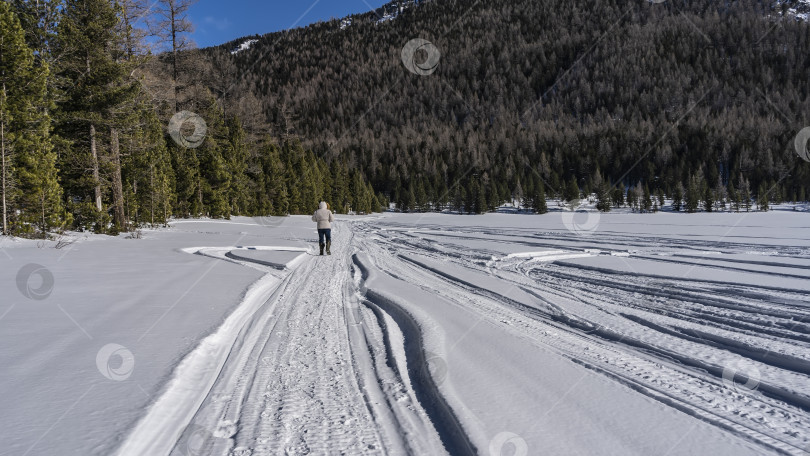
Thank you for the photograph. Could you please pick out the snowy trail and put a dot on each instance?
(303, 377)
(677, 340)
(444, 340)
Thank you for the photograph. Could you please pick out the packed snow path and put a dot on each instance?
(490, 340)
(305, 378)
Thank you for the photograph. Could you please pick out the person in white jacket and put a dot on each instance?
(324, 218)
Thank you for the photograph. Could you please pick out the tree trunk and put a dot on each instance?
(118, 186)
(199, 194)
(96, 176)
(174, 55)
(42, 214)
(152, 196)
(4, 171)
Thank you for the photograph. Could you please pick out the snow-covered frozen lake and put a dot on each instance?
(499, 334)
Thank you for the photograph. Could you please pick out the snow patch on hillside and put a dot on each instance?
(244, 46)
(391, 11)
(800, 9)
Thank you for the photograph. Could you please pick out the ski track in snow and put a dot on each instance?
(305, 377)
(320, 369)
(668, 338)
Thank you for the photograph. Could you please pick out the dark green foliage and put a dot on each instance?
(708, 199)
(83, 68)
(236, 163)
(733, 197)
(763, 199)
(31, 195)
(646, 202)
(528, 104)
(571, 193)
(603, 197)
(539, 199)
(522, 96)
(744, 192)
(617, 197)
(692, 198)
(677, 197)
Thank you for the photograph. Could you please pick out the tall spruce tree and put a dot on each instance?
(763, 198)
(603, 196)
(692, 198)
(236, 162)
(31, 195)
(571, 193)
(677, 197)
(95, 87)
(539, 198)
(646, 202)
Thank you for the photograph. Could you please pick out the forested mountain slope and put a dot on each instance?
(622, 91)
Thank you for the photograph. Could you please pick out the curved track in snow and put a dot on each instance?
(336, 354)
(736, 356)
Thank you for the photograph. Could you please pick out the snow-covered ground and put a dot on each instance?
(513, 334)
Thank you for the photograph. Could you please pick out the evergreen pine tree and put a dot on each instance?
(719, 194)
(459, 197)
(677, 197)
(744, 193)
(340, 187)
(480, 204)
(708, 199)
(733, 197)
(444, 196)
(517, 195)
(617, 196)
(410, 204)
(493, 196)
(215, 180)
(646, 203)
(763, 203)
(421, 203)
(692, 199)
(571, 194)
(95, 88)
(471, 193)
(31, 195)
(235, 154)
(150, 177)
(539, 199)
(603, 197)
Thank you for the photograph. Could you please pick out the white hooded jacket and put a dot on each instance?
(323, 216)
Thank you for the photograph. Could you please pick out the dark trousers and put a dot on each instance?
(324, 233)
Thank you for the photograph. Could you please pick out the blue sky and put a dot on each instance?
(218, 21)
